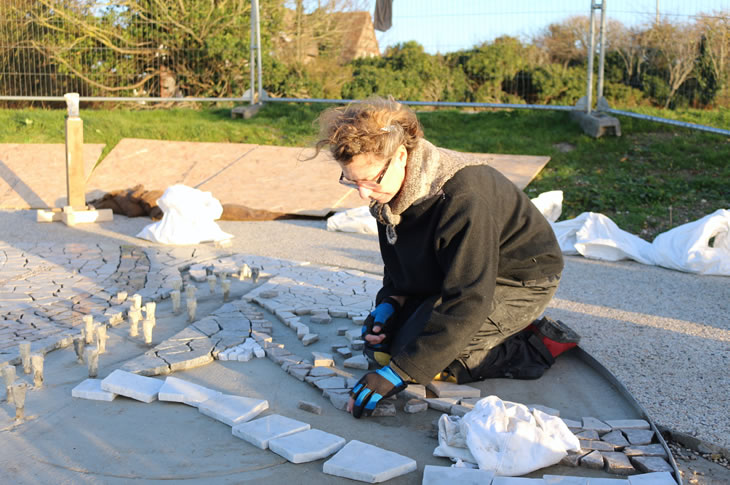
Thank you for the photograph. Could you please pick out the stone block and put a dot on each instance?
(338, 399)
(344, 352)
(628, 424)
(333, 382)
(651, 464)
(414, 406)
(572, 459)
(368, 463)
(357, 362)
(589, 434)
(130, 385)
(260, 431)
(596, 424)
(545, 409)
(596, 445)
(342, 330)
(233, 410)
(440, 475)
(449, 389)
(615, 438)
(306, 446)
(415, 391)
(322, 359)
(322, 371)
(299, 371)
(309, 339)
(639, 436)
(572, 424)
(353, 334)
(357, 344)
(385, 408)
(147, 364)
(593, 460)
(655, 449)
(618, 463)
(179, 390)
(310, 407)
(321, 318)
(91, 389)
(443, 404)
(657, 478)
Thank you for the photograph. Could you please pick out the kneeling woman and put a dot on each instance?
(470, 263)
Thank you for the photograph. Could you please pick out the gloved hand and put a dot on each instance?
(378, 320)
(373, 387)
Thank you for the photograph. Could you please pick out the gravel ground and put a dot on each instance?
(664, 334)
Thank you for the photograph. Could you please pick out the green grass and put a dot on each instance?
(652, 178)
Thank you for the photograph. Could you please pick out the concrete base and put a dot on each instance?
(246, 112)
(597, 124)
(72, 217)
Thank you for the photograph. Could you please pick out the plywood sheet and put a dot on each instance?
(33, 176)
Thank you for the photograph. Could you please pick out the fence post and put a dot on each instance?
(602, 54)
(258, 49)
(251, 65)
(591, 48)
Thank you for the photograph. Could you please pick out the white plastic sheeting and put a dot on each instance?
(701, 247)
(505, 437)
(189, 218)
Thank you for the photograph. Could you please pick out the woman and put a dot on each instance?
(470, 263)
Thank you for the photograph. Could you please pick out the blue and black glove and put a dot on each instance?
(378, 320)
(373, 387)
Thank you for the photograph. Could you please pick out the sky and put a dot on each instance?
(449, 25)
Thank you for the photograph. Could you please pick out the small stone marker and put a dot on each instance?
(449, 389)
(593, 460)
(149, 310)
(134, 317)
(24, 349)
(618, 463)
(357, 362)
(101, 338)
(596, 424)
(226, 289)
(147, 326)
(244, 272)
(18, 391)
(255, 273)
(179, 390)
(79, 347)
(415, 406)
(260, 431)
(192, 306)
(88, 329)
(639, 436)
(9, 377)
(211, 283)
(176, 283)
(137, 301)
(175, 297)
(656, 478)
(91, 389)
(322, 359)
(307, 446)
(367, 463)
(649, 464)
(233, 410)
(130, 385)
(36, 363)
(440, 475)
(92, 361)
(310, 407)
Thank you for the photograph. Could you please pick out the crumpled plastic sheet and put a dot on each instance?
(701, 247)
(189, 218)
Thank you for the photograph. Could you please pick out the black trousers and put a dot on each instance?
(503, 346)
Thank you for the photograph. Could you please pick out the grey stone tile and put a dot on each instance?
(618, 463)
(564, 480)
(91, 389)
(334, 382)
(415, 391)
(589, 434)
(651, 464)
(367, 463)
(596, 445)
(545, 409)
(593, 460)
(233, 410)
(571, 459)
(628, 424)
(616, 438)
(322, 359)
(306, 446)
(639, 436)
(517, 481)
(130, 385)
(179, 390)
(441, 475)
(385, 408)
(448, 389)
(596, 424)
(606, 481)
(322, 371)
(357, 362)
(260, 431)
(443, 404)
(658, 478)
(655, 449)
(310, 407)
(415, 406)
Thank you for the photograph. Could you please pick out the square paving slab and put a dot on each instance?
(91, 389)
(443, 475)
(179, 390)
(260, 431)
(130, 385)
(306, 446)
(233, 410)
(368, 463)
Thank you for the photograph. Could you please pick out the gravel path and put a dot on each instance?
(664, 334)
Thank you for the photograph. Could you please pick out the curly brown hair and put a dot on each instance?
(375, 125)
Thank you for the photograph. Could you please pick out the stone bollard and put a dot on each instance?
(211, 283)
(175, 297)
(18, 391)
(121, 297)
(36, 361)
(92, 358)
(226, 288)
(147, 326)
(101, 338)
(79, 348)
(149, 310)
(137, 301)
(176, 284)
(192, 308)
(89, 329)
(255, 273)
(9, 376)
(24, 348)
(134, 318)
(244, 272)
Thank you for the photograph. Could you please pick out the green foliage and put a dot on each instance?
(555, 84)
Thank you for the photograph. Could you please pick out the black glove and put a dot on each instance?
(373, 387)
(379, 319)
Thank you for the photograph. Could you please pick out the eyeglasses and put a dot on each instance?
(373, 184)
